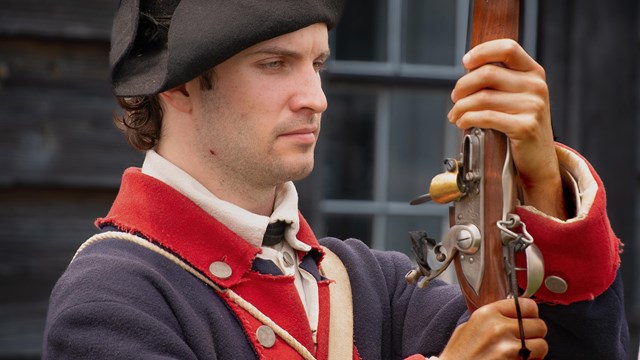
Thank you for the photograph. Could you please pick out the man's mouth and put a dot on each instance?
(305, 135)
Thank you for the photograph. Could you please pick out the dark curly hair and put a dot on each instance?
(141, 121)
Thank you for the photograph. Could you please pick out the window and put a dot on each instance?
(385, 135)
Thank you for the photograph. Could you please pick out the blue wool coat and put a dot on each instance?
(118, 300)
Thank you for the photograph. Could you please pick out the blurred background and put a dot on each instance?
(394, 63)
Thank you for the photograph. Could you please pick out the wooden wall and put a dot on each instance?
(590, 50)
(60, 156)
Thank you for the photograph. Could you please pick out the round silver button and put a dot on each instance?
(556, 284)
(288, 259)
(220, 269)
(266, 336)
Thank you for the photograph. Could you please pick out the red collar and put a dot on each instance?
(163, 215)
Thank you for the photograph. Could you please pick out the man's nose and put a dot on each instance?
(308, 92)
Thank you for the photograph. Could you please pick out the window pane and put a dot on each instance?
(346, 146)
(345, 226)
(362, 31)
(417, 142)
(398, 228)
(429, 32)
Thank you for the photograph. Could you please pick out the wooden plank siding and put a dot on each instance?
(72, 19)
(61, 158)
(591, 52)
(60, 137)
(56, 113)
(40, 229)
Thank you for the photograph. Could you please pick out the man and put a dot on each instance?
(226, 98)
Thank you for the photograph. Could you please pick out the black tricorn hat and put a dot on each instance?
(160, 44)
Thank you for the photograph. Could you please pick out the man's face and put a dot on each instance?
(261, 121)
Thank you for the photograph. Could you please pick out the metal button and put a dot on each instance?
(266, 336)
(288, 259)
(220, 269)
(556, 284)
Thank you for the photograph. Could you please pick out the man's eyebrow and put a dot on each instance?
(280, 51)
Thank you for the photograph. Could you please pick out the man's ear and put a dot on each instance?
(178, 98)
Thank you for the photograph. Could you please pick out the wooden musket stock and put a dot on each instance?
(480, 184)
(492, 19)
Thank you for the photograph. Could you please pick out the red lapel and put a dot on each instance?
(149, 207)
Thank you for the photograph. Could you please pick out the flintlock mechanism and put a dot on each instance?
(462, 183)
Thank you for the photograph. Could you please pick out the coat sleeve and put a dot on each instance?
(585, 318)
(111, 330)
(582, 253)
(392, 319)
(109, 305)
(395, 320)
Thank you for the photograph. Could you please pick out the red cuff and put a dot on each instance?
(583, 251)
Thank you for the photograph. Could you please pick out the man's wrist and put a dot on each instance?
(549, 197)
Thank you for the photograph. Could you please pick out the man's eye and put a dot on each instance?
(319, 66)
(273, 64)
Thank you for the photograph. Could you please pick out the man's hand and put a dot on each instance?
(505, 90)
(492, 332)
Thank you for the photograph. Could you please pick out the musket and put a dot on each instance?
(484, 234)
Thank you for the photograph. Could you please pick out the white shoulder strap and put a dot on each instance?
(255, 312)
(340, 308)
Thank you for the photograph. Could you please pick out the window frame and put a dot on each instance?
(385, 77)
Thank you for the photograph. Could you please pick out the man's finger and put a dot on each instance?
(505, 51)
(507, 307)
(490, 77)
